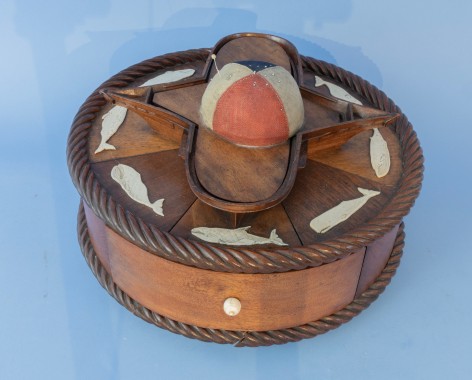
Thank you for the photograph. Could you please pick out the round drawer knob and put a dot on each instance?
(232, 306)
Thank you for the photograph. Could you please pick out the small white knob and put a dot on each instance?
(232, 306)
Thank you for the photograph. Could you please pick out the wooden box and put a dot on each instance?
(252, 294)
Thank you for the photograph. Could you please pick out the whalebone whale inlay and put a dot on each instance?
(238, 236)
(130, 181)
(343, 211)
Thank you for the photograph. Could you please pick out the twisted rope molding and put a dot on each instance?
(226, 259)
(241, 338)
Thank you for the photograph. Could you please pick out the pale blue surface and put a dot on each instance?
(56, 322)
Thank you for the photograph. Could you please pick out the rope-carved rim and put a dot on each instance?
(241, 338)
(241, 260)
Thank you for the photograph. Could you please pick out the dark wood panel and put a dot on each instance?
(309, 81)
(185, 101)
(263, 222)
(354, 157)
(252, 49)
(318, 116)
(239, 174)
(164, 176)
(319, 188)
(133, 138)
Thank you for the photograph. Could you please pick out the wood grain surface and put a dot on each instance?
(196, 296)
(184, 101)
(239, 174)
(251, 49)
(135, 137)
(164, 176)
(319, 188)
(354, 157)
(99, 238)
(376, 257)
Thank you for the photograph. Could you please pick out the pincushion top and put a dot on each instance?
(253, 108)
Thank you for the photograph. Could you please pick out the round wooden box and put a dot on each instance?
(154, 266)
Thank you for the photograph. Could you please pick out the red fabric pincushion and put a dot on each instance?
(253, 108)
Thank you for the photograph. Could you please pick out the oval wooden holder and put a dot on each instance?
(154, 266)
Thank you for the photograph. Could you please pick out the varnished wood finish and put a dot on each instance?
(298, 291)
(241, 338)
(133, 138)
(262, 223)
(330, 123)
(184, 99)
(242, 207)
(99, 238)
(318, 115)
(242, 179)
(167, 124)
(335, 136)
(318, 188)
(239, 174)
(163, 174)
(255, 47)
(309, 82)
(196, 296)
(375, 259)
(354, 157)
(133, 226)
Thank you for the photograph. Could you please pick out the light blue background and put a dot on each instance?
(56, 322)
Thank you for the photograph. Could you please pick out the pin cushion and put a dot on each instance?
(243, 194)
